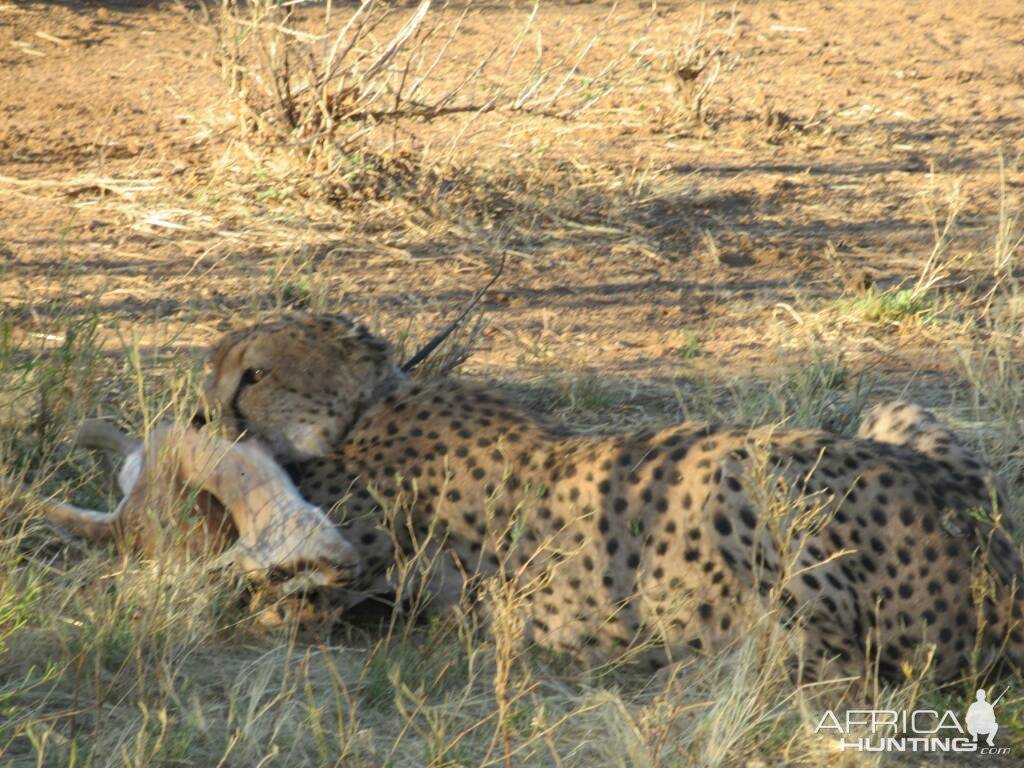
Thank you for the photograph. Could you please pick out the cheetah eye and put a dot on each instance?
(252, 376)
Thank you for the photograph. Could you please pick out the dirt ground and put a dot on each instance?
(645, 255)
(881, 105)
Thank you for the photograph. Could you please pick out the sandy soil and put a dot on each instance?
(880, 106)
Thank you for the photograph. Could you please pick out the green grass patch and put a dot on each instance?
(892, 306)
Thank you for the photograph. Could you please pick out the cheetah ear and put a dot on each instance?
(363, 344)
(444, 333)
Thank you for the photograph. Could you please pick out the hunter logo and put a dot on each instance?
(923, 730)
(981, 718)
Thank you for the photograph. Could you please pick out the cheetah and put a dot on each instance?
(879, 551)
(875, 547)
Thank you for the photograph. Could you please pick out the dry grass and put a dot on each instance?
(360, 151)
(324, 81)
(112, 660)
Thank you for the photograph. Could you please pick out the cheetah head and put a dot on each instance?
(298, 383)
